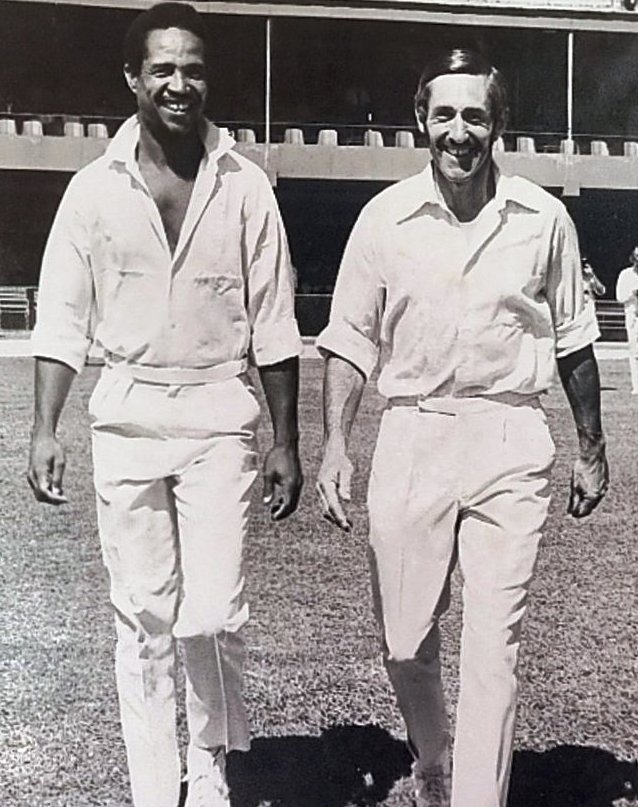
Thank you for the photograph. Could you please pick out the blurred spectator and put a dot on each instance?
(627, 294)
(593, 285)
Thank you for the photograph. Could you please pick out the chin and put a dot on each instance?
(186, 129)
(458, 177)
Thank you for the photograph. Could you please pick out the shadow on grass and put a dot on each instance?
(571, 776)
(359, 765)
(345, 765)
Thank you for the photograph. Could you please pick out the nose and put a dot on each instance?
(177, 83)
(458, 129)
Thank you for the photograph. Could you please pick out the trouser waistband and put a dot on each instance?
(177, 376)
(450, 405)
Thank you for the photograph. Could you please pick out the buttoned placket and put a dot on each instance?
(152, 210)
(203, 189)
(490, 223)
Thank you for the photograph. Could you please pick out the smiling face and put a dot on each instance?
(171, 86)
(460, 128)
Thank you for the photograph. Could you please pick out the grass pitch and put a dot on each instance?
(327, 733)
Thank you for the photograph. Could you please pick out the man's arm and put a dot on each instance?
(282, 470)
(343, 386)
(590, 477)
(46, 461)
(598, 286)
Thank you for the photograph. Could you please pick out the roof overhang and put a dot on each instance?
(574, 15)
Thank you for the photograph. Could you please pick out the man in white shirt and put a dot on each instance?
(465, 286)
(170, 254)
(627, 294)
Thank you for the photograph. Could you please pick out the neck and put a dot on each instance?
(181, 155)
(466, 200)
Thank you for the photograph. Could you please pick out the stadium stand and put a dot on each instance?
(14, 308)
(334, 123)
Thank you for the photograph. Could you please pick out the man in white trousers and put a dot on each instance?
(627, 294)
(464, 286)
(169, 253)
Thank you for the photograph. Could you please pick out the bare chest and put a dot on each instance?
(172, 195)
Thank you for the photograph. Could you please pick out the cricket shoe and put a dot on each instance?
(207, 785)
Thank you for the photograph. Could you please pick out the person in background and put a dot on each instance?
(627, 294)
(593, 286)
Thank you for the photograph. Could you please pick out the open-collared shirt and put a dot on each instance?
(448, 308)
(225, 295)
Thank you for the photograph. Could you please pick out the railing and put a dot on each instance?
(18, 307)
(611, 320)
(312, 311)
(323, 133)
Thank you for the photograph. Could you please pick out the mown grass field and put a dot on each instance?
(327, 733)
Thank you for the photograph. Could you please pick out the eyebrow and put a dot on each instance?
(170, 65)
(471, 110)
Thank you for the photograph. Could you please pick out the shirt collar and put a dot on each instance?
(422, 192)
(122, 148)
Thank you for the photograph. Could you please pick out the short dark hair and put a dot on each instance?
(160, 16)
(463, 60)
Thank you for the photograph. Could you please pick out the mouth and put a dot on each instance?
(462, 154)
(177, 107)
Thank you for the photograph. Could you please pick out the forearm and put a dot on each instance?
(343, 387)
(52, 383)
(281, 387)
(580, 379)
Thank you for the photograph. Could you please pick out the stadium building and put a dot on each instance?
(319, 92)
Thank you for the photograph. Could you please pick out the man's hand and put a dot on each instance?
(283, 480)
(46, 461)
(589, 483)
(46, 469)
(590, 478)
(333, 485)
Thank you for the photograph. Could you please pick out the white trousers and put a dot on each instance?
(632, 349)
(470, 481)
(173, 469)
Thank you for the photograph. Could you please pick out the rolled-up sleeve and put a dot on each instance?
(270, 282)
(575, 323)
(353, 332)
(63, 329)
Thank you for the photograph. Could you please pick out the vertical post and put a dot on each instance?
(570, 85)
(268, 100)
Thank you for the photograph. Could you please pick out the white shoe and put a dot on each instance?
(206, 775)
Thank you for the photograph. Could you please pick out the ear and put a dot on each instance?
(501, 124)
(419, 122)
(131, 79)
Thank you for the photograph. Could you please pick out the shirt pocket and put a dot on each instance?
(126, 291)
(214, 284)
(222, 294)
